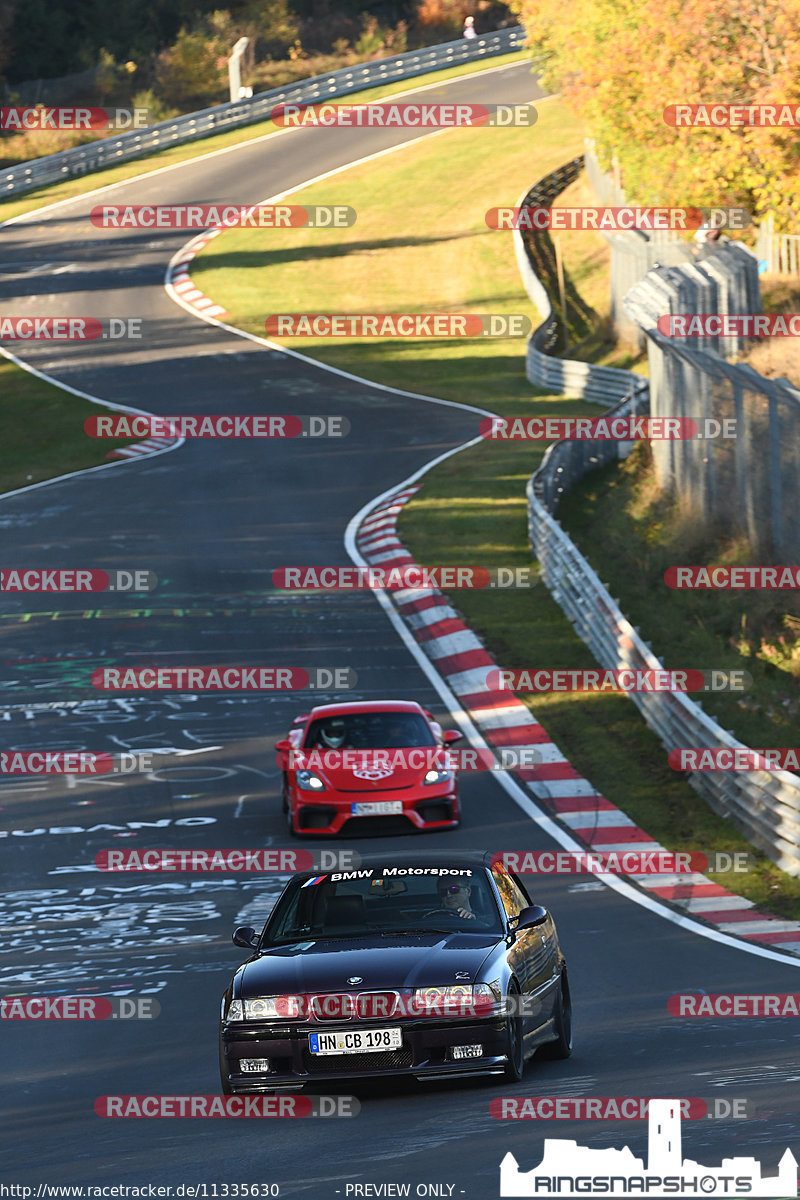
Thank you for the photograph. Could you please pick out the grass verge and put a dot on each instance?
(410, 240)
(29, 407)
(472, 507)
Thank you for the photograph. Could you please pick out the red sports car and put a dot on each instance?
(370, 766)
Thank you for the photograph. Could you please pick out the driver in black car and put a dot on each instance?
(455, 898)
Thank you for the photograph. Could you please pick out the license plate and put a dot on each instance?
(355, 1041)
(376, 808)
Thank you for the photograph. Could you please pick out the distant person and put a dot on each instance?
(707, 239)
(469, 28)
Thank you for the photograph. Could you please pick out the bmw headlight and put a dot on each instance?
(436, 775)
(465, 999)
(309, 782)
(264, 1008)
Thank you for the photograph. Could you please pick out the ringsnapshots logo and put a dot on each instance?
(397, 325)
(569, 1170)
(40, 117)
(226, 425)
(404, 115)
(223, 679)
(225, 216)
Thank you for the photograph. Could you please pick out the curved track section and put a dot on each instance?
(213, 524)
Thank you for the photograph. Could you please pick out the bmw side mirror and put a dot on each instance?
(283, 746)
(246, 937)
(451, 735)
(531, 916)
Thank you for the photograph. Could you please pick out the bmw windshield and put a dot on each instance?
(392, 900)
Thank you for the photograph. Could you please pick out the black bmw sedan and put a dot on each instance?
(430, 967)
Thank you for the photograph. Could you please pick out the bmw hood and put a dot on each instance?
(393, 961)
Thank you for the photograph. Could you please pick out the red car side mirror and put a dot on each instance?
(451, 735)
(283, 747)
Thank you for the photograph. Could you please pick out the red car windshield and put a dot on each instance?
(369, 731)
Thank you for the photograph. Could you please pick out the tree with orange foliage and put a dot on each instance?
(620, 63)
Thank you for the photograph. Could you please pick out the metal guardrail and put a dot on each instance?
(633, 252)
(105, 152)
(536, 259)
(748, 482)
(764, 805)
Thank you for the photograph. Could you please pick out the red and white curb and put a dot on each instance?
(462, 660)
(150, 446)
(178, 276)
